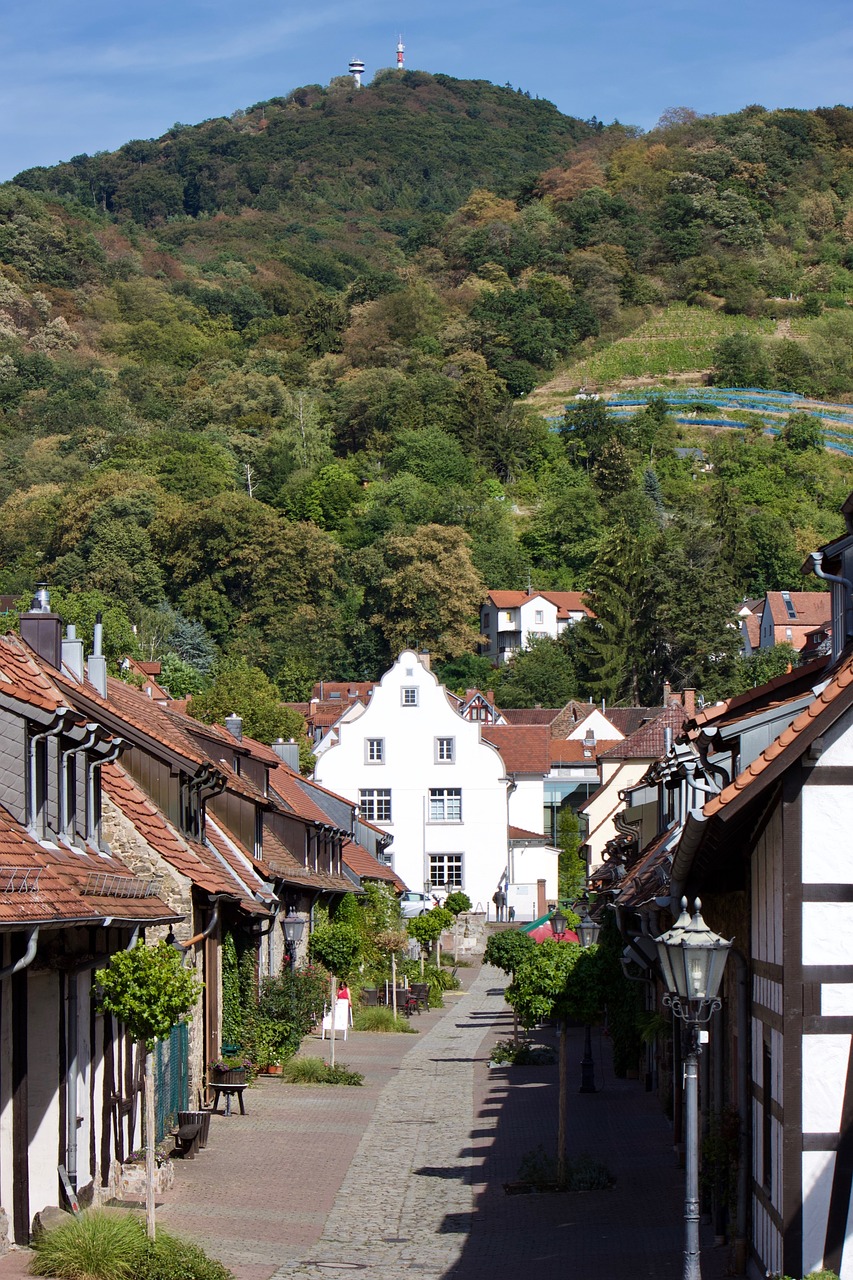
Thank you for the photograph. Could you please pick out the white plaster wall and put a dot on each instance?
(43, 1089)
(824, 1074)
(836, 999)
(818, 1168)
(602, 728)
(528, 612)
(827, 932)
(527, 805)
(604, 804)
(410, 770)
(827, 816)
(837, 744)
(534, 863)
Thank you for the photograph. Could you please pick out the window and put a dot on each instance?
(375, 804)
(445, 870)
(487, 621)
(409, 696)
(539, 616)
(445, 804)
(374, 750)
(445, 750)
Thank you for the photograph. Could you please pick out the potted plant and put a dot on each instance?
(230, 1070)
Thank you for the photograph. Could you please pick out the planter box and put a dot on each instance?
(274, 1069)
(237, 1075)
(130, 1183)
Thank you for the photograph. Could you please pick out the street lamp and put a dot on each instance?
(293, 931)
(692, 960)
(588, 931)
(559, 924)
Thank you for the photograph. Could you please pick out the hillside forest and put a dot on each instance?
(282, 393)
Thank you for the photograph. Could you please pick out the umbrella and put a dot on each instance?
(541, 929)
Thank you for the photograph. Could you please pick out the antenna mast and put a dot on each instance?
(400, 50)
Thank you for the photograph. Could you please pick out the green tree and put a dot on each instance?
(336, 947)
(558, 980)
(148, 989)
(241, 688)
(543, 675)
(802, 431)
(428, 592)
(571, 869)
(739, 361)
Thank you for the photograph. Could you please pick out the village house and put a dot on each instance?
(750, 809)
(434, 781)
(508, 619)
(798, 618)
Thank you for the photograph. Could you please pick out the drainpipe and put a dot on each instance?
(816, 558)
(106, 758)
(73, 1074)
(65, 806)
(53, 732)
(214, 899)
(26, 959)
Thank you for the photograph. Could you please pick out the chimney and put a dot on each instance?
(667, 692)
(288, 752)
(96, 667)
(688, 701)
(425, 659)
(234, 725)
(72, 653)
(41, 629)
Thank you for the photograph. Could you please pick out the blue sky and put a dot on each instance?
(87, 77)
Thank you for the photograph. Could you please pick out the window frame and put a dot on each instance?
(457, 880)
(370, 744)
(444, 795)
(438, 744)
(405, 699)
(369, 799)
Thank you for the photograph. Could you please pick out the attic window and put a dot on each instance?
(335, 694)
(409, 696)
(786, 597)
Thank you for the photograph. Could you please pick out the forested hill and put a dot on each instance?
(410, 142)
(265, 382)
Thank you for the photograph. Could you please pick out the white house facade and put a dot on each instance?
(421, 772)
(508, 619)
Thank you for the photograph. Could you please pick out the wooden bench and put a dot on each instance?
(187, 1137)
(228, 1090)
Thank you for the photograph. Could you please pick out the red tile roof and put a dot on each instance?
(22, 677)
(67, 885)
(366, 867)
(530, 715)
(566, 601)
(811, 607)
(524, 748)
(285, 866)
(574, 750)
(519, 834)
(648, 742)
(786, 743)
(187, 857)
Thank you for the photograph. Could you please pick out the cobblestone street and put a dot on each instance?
(406, 1173)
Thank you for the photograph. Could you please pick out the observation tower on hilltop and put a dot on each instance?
(356, 70)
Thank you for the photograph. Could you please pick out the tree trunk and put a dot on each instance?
(150, 1143)
(438, 952)
(333, 988)
(456, 941)
(394, 984)
(422, 964)
(563, 1078)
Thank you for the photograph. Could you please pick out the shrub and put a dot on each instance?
(96, 1245)
(379, 1019)
(523, 1055)
(102, 1244)
(316, 1071)
(584, 1174)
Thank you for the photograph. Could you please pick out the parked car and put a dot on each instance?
(414, 904)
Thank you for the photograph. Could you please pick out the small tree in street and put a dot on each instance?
(336, 947)
(558, 980)
(391, 942)
(149, 990)
(506, 951)
(428, 928)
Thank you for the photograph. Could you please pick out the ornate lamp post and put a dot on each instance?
(692, 960)
(559, 924)
(588, 931)
(293, 931)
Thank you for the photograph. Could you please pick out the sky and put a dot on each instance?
(90, 76)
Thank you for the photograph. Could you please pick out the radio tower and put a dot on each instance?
(400, 49)
(356, 70)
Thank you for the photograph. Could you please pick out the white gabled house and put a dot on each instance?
(426, 775)
(508, 619)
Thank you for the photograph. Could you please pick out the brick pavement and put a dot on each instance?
(406, 1173)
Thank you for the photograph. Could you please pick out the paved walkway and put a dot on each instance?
(406, 1174)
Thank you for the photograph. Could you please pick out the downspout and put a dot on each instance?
(65, 807)
(26, 959)
(53, 732)
(108, 757)
(213, 898)
(72, 1119)
(816, 558)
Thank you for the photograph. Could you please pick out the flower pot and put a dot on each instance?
(274, 1069)
(231, 1075)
